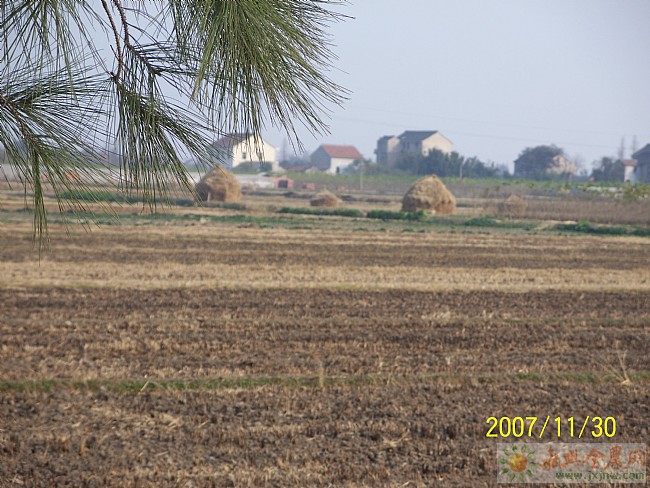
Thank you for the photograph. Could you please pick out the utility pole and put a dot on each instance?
(621, 150)
(361, 168)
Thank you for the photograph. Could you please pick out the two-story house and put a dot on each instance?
(390, 148)
(236, 149)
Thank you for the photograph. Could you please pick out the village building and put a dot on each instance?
(390, 148)
(562, 166)
(331, 158)
(629, 175)
(236, 150)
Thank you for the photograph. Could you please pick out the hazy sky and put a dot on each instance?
(494, 76)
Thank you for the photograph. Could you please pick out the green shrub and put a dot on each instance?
(94, 196)
(499, 224)
(641, 232)
(610, 231)
(481, 222)
(226, 205)
(339, 212)
(584, 226)
(112, 197)
(388, 215)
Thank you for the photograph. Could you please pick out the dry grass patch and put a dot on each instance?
(599, 211)
(144, 276)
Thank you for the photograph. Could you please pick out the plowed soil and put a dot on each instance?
(223, 356)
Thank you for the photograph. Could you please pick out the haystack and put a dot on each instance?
(325, 198)
(219, 186)
(431, 195)
(513, 206)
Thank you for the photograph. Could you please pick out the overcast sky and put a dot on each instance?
(494, 76)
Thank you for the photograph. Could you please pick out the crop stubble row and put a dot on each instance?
(103, 333)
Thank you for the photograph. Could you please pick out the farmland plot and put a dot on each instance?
(216, 355)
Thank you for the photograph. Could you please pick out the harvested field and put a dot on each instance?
(371, 435)
(215, 355)
(83, 335)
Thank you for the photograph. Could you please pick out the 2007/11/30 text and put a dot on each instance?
(535, 427)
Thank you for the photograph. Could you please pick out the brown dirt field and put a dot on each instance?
(224, 356)
(398, 434)
(187, 334)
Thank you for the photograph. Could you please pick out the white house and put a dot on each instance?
(236, 149)
(390, 148)
(629, 173)
(333, 159)
(562, 166)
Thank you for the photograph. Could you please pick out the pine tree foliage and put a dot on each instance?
(231, 65)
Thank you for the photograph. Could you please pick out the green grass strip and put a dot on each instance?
(123, 386)
(339, 212)
(586, 227)
(388, 215)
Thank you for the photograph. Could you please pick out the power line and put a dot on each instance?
(462, 119)
(484, 136)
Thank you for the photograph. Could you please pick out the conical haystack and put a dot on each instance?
(513, 206)
(325, 198)
(219, 185)
(429, 194)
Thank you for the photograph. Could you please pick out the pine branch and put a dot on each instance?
(236, 65)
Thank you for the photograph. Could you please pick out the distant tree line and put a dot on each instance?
(446, 165)
(609, 170)
(540, 163)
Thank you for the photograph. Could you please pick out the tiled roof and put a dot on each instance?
(643, 150)
(343, 152)
(416, 135)
(231, 140)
